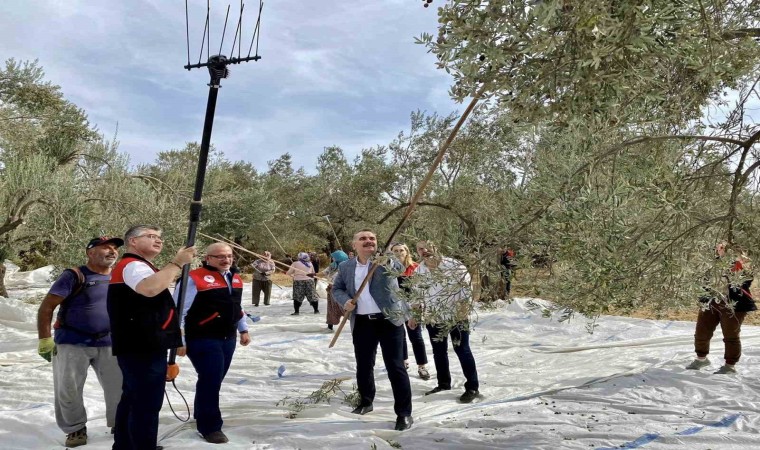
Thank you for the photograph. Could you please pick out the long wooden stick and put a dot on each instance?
(337, 241)
(275, 239)
(230, 241)
(241, 248)
(413, 203)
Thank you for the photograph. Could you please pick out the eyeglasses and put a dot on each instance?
(221, 256)
(154, 237)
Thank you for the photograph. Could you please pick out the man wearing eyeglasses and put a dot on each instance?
(212, 313)
(144, 325)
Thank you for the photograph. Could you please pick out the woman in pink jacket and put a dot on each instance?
(302, 272)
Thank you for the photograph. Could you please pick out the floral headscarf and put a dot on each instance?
(305, 259)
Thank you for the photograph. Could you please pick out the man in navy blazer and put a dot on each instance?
(377, 317)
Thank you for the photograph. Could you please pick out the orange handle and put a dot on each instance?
(172, 371)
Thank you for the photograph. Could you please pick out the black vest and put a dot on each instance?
(139, 324)
(215, 311)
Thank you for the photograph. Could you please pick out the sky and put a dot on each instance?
(333, 72)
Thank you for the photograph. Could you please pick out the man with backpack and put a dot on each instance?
(82, 338)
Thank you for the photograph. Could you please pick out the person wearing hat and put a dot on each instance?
(82, 338)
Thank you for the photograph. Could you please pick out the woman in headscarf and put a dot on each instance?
(401, 251)
(334, 310)
(302, 272)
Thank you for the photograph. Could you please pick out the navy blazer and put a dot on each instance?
(382, 287)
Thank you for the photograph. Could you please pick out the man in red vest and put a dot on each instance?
(212, 317)
(144, 325)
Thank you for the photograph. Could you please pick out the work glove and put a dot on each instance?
(45, 348)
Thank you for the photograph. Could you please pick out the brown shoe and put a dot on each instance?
(77, 438)
(217, 437)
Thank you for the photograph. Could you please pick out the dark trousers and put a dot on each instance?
(211, 359)
(507, 281)
(260, 286)
(418, 345)
(461, 340)
(367, 333)
(730, 323)
(142, 395)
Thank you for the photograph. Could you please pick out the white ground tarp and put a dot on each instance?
(545, 385)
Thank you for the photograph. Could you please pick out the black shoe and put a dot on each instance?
(217, 437)
(159, 447)
(329, 327)
(255, 305)
(362, 410)
(295, 314)
(437, 389)
(316, 311)
(468, 396)
(404, 423)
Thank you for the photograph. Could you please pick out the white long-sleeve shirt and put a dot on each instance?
(445, 288)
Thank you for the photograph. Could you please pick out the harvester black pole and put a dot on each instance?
(217, 66)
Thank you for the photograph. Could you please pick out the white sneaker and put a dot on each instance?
(698, 364)
(725, 369)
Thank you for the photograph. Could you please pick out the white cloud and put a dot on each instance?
(333, 72)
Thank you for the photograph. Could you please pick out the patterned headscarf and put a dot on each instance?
(305, 259)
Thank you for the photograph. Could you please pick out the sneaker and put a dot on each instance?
(468, 396)
(77, 438)
(436, 390)
(217, 437)
(725, 369)
(424, 374)
(698, 364)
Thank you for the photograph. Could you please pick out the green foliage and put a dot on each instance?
(324, 394)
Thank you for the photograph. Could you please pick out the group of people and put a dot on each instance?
(120, 318)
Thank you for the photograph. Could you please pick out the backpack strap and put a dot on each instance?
(79, 286)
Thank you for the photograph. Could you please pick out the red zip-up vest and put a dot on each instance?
(215, 311)
(140, 324)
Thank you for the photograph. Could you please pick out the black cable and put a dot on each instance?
(187, 407)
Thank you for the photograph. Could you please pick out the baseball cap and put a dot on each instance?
(105, 240)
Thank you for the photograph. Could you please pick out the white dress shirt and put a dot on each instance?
(366, 304)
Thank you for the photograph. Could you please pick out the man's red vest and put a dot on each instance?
(215, 311)
(140, 324)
